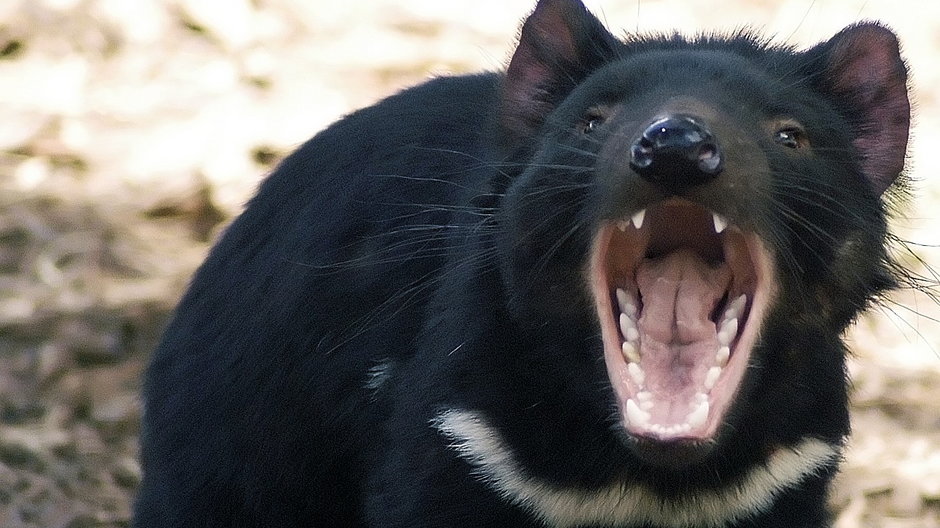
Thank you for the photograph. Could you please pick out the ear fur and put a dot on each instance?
(560, 44)
(862, 67)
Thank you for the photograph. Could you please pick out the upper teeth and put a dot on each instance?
(720, 222)
(636, 219)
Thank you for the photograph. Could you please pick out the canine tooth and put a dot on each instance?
(711, 377)
(635, 415)
(721, 357)
(630, 352)
(638, 217)
(701, 397)
(697, 417)
(626, 303)
(636, 373)
(720, 222)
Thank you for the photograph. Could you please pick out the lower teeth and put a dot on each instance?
(630, 352)
(638, 411)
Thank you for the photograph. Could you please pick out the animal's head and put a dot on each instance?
(712, 207)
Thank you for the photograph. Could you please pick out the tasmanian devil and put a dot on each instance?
(606, 287)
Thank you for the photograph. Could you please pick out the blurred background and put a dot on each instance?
(132, 131)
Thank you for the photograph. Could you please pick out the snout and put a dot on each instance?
(676, 152)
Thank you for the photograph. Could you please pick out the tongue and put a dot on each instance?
(678, 339)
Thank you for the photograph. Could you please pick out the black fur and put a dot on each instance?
(429, 253)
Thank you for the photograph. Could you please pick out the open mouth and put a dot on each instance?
(680, 295)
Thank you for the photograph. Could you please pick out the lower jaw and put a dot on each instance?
(674, 454)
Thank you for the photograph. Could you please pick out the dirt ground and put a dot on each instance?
(131, 131)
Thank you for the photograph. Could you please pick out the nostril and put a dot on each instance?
(709, 160)
(641, 154)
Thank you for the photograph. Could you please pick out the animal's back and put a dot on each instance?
(310, 296)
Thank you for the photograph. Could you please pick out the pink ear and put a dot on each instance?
(863, 65)
(560, 44)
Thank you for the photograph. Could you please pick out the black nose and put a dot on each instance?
(676, 152)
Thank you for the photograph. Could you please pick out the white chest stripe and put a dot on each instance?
(482, 446)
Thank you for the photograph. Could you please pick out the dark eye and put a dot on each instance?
(791, 137)
(593, 119)
(591, 123)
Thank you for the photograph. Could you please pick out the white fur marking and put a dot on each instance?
(482, 446)
(377, 375)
